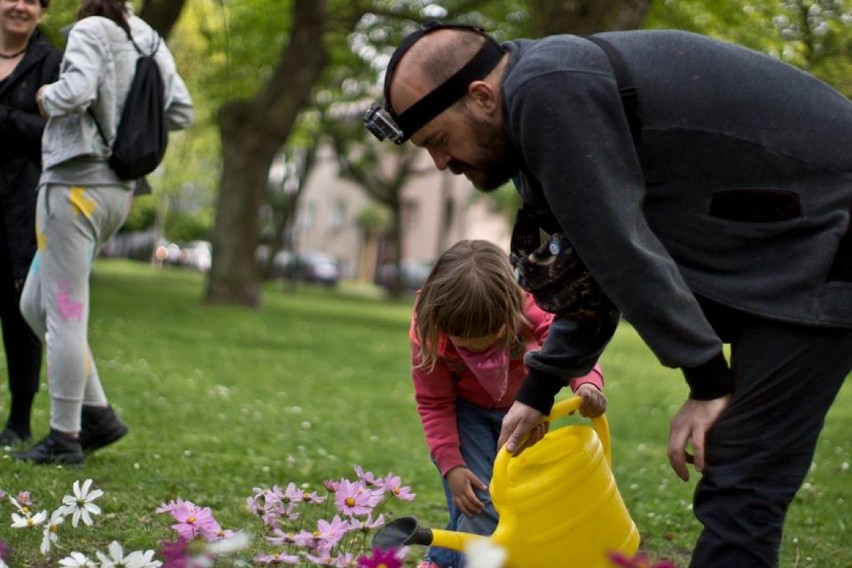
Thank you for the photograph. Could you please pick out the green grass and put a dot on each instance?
(223, 399)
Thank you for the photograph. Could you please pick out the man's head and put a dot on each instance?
(442, 90)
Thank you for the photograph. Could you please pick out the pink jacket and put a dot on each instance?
(436, 391)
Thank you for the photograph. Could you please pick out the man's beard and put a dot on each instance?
(495, 162)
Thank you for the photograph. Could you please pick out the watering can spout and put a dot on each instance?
(406, 531)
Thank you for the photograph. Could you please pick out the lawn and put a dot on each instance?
(221, 400)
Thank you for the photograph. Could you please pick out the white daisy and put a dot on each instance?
(27, 521)
(137, 559)
(77, 560)
(81, 503)
(50, 529)
(23, 509)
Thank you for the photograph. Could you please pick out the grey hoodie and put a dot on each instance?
(96, 73)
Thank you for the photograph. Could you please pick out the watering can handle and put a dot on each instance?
(600, 423)
(560, 409)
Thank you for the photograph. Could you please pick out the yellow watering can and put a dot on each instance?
(557, 501)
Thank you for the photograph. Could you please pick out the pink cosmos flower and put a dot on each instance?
(278, 558)
(170, 506)
(24, 499)
(353, 498)
(393, 485)
(305, 539)
(367, 524)
(330, 533)
(641, 560)
(175, 554)
(293, 494)
(280, 538)
(365, 475)
(314, 498)
(380, 559)
(326, 559)
(193, 521)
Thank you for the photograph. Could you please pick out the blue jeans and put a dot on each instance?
(479, 429)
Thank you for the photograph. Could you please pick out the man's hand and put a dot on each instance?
(462, 482)
(520, 421)
(691, 424)
(594, 401)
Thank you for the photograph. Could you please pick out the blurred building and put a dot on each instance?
(438, 209)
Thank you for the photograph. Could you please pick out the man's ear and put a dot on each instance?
(484, 96)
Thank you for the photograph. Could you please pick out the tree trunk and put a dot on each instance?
(252, 132)
(246, 159)
(162, 14)
(583, 17)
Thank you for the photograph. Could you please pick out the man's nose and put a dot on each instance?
(441, 159)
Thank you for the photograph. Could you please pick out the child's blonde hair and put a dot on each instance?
(471, 292)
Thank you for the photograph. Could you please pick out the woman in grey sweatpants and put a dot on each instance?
(81, 204)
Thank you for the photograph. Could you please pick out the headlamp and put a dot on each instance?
(384, 123)
(380, 122)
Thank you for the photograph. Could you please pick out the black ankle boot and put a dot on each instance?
(99, 427)
(11, 437)
(55, 448)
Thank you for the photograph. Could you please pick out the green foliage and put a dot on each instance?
(373, 219)
(220, 400)
(815, 35)
(183, 227)
(142, 214)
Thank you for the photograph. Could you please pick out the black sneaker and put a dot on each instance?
(11, 437)
(99, 427)
(55, 448)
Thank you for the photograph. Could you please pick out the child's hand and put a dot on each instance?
(462, 482)
(594, 401)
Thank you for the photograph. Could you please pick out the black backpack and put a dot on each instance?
(142, 133)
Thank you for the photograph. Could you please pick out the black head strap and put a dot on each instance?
(448, 92)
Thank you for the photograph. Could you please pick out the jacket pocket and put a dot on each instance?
(841, 268)
(755, 205)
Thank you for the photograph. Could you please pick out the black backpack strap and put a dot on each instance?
(626, 86)
(157, 43)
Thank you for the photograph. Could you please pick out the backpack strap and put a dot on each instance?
(141, 53)
(626, 86)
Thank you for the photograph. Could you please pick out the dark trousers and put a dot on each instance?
(23, 349)
(760, 449)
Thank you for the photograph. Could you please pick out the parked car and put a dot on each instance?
(302, 266)
(315, 267)
(414, 274)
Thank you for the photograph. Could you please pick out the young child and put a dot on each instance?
(472, 325)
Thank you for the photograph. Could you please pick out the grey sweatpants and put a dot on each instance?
(72, 224)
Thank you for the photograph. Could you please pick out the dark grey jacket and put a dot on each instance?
(739, 191)
(21, 129)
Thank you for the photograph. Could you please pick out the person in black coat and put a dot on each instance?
(700, 190)
(27, 61)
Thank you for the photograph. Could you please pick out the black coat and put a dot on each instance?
(21, 128)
